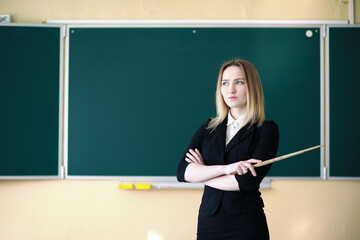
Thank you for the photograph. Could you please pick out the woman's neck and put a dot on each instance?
(237, 112)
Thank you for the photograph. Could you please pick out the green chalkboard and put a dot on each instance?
(29, 101)
(344, 84)
(137, 95)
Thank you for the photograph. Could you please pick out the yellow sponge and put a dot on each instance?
(126, 186)
(143, 186)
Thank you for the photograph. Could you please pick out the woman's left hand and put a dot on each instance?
(241, 167)
(194, 156)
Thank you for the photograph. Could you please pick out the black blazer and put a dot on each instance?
(249, 142)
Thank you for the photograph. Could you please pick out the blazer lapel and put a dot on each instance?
(220, 133)
(240, 135)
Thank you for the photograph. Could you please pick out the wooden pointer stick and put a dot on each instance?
(283, 157)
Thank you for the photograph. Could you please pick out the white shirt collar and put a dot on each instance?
(231, 120)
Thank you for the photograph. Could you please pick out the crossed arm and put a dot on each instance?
(218, 176)
(191, 167)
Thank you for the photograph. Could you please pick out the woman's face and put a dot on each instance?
(234, 88)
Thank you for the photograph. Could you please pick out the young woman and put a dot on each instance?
(238, 137)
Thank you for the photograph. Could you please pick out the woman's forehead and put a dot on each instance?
(233, 71)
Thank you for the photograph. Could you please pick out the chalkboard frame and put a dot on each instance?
(60, 171)
(328, 103)
(321, 28)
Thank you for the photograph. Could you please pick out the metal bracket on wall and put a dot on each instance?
(5, 19)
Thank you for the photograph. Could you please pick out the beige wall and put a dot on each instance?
(357, 11)
(41, 10)
(81, 209)
(91, 210)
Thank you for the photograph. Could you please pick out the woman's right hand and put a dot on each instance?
(194, 156)
(241, 167)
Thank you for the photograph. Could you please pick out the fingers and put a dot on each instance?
(237, 168)
(198, 152)
(194, 156)
(245, 166)
(253, 161)
(252, 170)
(190, 158)
(249, 165)
(199, 156)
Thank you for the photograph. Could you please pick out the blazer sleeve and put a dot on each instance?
(266, 148)
(196, 142)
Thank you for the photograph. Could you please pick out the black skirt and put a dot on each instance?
(250, 225)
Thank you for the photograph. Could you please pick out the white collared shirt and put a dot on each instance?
(233, 126)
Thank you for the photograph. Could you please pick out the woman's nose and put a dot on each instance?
(232, 88)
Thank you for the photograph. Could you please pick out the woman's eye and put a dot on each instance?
(239, 82)
(225, 83)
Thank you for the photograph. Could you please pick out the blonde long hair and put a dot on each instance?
(255, 97)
